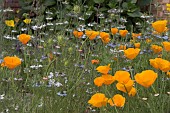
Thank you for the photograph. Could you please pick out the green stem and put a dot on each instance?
(153, 89)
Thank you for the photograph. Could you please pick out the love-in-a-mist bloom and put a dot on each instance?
(159, 25)
(77, 34)
(131, 53)
(98, 100)
(11, 62)
(103, 69)
(146, 78)
(117, 100)
(24, 38)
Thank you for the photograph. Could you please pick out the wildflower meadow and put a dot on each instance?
(98, 56)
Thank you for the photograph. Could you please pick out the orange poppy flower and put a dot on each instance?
(24, 38)
(122, 47)
(99, 81)
(77, 34)
(108, 79)
(137, 45)
(156, 49)
(168, 74)
(117, 100)
(166, 46)
(91, 34)
(146, 78)
(132, 92)
(131, 53)
(135, 35)
(125, 87)
(114, 30)
(161, 64)
(122, 76)
(94, 61)
(98, 100)
(159, 25)
(123, 33)
(103, 69)
(105, 37)
(11, 62)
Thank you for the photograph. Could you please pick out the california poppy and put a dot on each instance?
(94, 61)
(159, 25)
(103, 69)
(125, 87)
(77, 34)
(24, 38)
(166, 46)
(146, 78)
(123, 33)
(137, 45)
(131, 53)
(156, 48)
(135, 35)
(98, 100)
(105, 37)
(99, 81)
(11, 62)
(122, 76)
(132, 92)
(91, 34)
(122, 47)
(114, 30)
(117, 100)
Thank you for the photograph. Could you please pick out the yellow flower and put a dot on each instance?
(131, 53)
(98, 100)
(91, 34)
(126, 88)
(27, 21)
(137, 45)
(166, 46)
(132, 92)
(122, 76)
(168, 5)
(146, 78)
(159, 25)
(114, 30)
(108, 79)
(11, 62)
(94, 61)
(10, 23)
(105, 37)
(24, 38)
(99, 81)
(117, 100)
(156, 48)
(168, 9)
(77, 34)
(122, 47)
(123, 33)
(103, 69)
